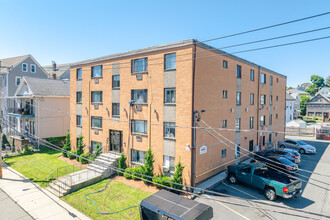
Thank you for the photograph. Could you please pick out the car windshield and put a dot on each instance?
(301, 143)
(286, 161)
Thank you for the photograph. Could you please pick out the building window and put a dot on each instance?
(17, 80)
(251, 122)
(94, 144)
(79, 120)
(225, 64)
(238, 124)
(169, 130)
(224, 94)
(24, 67)
(169, 96)
(140, 65)
(97, 71)
(138, 156)
(237, 151)
(251, 98)
(270, 99)
(262, 120)
(238, 98)
(140, 96)
(79, 74)
(262, 99)
(270, 119)
(276, 98)
(224, 123)
(276, 116)
(263, 78)
(277, 80)
(271, 80)
(170, 61)
(33, 68)
(224, 153)
(115, 109)
(251, 75)
(139, 127)
(238, 71)
(169, 162)
(97, 97)
(79, 97)
(116, 82)
(96, 122)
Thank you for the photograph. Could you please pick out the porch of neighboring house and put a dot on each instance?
(21, 117)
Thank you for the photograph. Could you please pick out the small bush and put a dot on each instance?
(314, 117)
(128, 175)
(177, 176)
(65, 148)
(58, 141)
(159, 183)
(83, 160)
(122, 164)
(137, 170)
(27, 151)
(70, 156)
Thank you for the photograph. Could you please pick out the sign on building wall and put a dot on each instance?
(203, 149)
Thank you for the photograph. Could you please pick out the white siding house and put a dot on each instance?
(289, 108)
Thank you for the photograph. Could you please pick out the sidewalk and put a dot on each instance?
(38, 202)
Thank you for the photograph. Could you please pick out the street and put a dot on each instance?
(10, 210)
(313, 204)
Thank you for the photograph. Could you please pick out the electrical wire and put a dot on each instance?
(139, 176)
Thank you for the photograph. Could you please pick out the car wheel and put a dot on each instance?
(270, 194)
(282, 146)
(232, 179)
(301, 151)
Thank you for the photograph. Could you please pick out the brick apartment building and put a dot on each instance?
(168, 83)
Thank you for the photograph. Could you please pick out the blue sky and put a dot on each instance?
(71, 30)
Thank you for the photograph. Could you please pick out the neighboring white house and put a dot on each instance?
(296, 123)
(289, 108)
(40, 107)
(296, 94)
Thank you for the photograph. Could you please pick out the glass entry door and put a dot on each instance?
(116, 141)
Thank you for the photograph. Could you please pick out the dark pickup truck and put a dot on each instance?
(272, 183)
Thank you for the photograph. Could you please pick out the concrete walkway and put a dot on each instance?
(38, 202)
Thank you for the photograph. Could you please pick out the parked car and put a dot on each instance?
(278, 164)
(273, 184)
(298, 145)
(289, 154)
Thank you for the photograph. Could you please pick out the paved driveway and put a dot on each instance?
(314, 203)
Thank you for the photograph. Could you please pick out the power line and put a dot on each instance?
(140, 176)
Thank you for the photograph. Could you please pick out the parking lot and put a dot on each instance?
(244, 202)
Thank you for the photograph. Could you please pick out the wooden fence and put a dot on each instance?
(294, 131)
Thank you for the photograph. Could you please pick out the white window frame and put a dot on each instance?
(35, 68)
(27, 67)
(20, 80)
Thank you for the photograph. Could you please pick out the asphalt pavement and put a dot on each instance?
(10, 210)
(244, 202)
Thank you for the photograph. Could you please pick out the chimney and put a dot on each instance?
(54, 76)
(54, 65)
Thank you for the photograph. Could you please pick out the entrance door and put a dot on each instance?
(251, 145)
(116, 141)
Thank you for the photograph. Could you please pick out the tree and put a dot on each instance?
(13, 146)
(304, 100)
(327, 81)
(318, 81)
(67, 145)
(122, 164)
(4, 141)
(80, 147)
(177, 176)
(312, 89)
(148, 168)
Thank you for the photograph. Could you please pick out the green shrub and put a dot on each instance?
(122, 164)
(13, 146)
(66, 148)
(80, 147)
(70, 156)
(28, 150)
(177, 176)
(128, 175)
(148, 168)
(58, 141)
(314, 117)
(4, 141)
(83, 160)
(160, 184)
(137, 170)
(67, 145)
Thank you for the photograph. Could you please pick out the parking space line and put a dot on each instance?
(230, 209)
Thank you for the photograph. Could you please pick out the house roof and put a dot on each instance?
(289, 97)
(46, 87)
(170, 46)
(12, 61)
(296, 91)
(62, 70)
(314, 99)
(324, 91)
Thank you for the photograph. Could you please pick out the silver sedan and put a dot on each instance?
(298, 145)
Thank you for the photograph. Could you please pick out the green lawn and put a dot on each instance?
(120, 196)
(38, 166)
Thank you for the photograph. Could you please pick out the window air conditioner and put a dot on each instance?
(96, 81)
(139, 76)
(96, 131)
(138, 138)
(166, 169)
(138, 107)
(96, 106)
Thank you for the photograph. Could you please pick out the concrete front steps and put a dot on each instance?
(95, 172)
